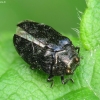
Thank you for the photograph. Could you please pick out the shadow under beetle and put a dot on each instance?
(40, 44)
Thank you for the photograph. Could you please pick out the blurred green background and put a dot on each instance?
(60, 14)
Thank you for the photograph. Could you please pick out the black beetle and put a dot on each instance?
(40, 44)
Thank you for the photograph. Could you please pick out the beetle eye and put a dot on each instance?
(68, 70)
(76, 60)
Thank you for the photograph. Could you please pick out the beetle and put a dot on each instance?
(43, 47)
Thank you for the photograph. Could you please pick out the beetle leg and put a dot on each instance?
(77, 48)
(50, 79)
(64, 81)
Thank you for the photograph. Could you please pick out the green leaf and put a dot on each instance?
(90, 25)
(19, 82)
(80, 94)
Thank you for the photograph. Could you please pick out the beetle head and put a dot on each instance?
(72, 64)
